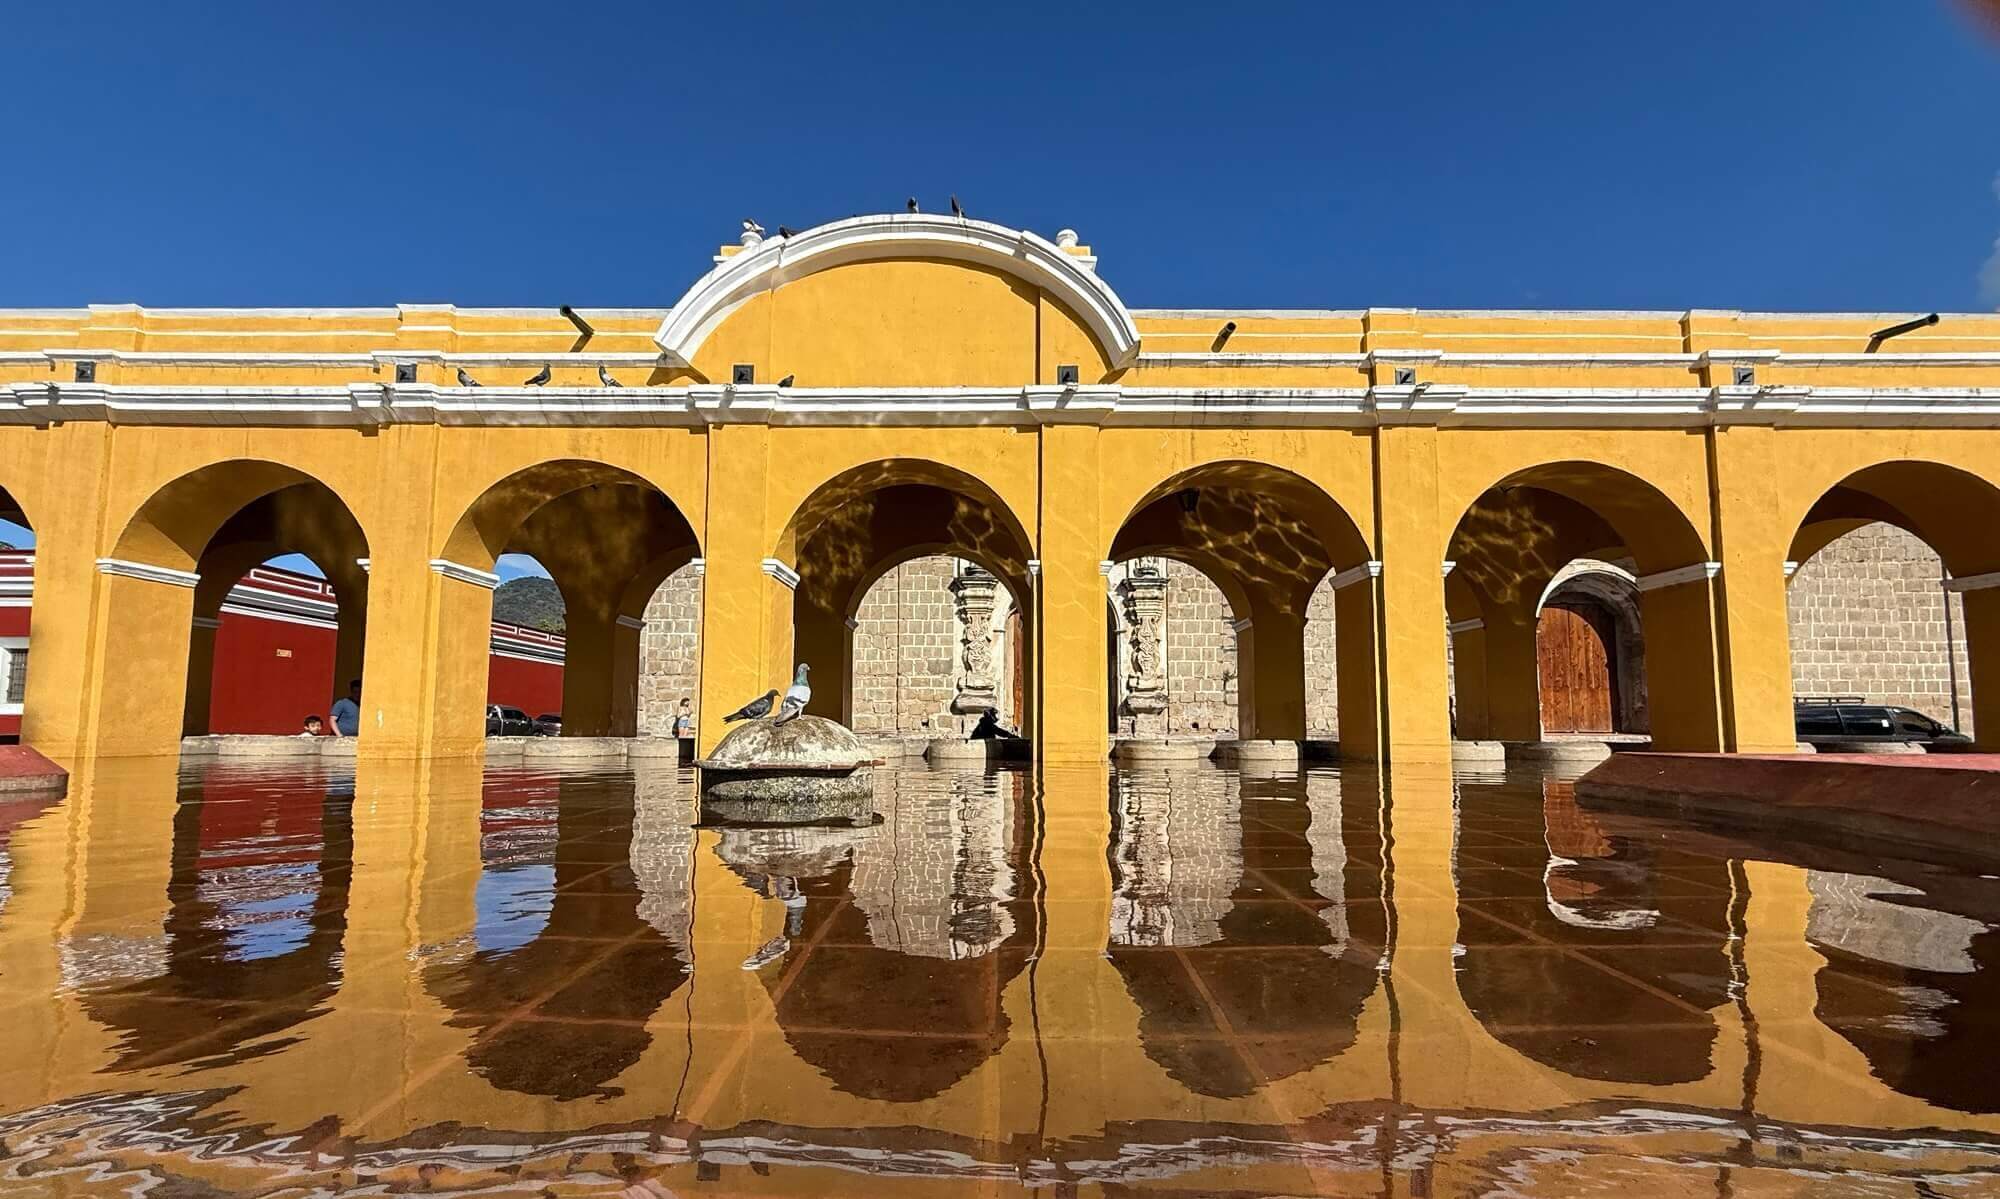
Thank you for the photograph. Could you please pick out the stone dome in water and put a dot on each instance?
(808, 743)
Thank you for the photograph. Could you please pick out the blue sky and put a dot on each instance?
(1783, 154)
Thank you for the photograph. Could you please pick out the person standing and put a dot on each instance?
(684, 718)
(347, 712)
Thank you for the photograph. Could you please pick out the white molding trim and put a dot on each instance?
(147, 572)
(1974, 582)
(1034, 568)
(1792, 568)
(853, 623)
(1240, 625)
(363, 564)
(779, 571)
(1450, 564)
(1464, 626)
(1694, 572)
(207, 622)
(779, 260)
(465, 574)
(698, 565)
(1106, 566)
(367, 405)
(631, 622)
(1355, 574)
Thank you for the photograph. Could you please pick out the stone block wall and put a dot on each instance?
(670, 653)
(1200, 654)
(1868, 618)
(1322, 689)
(906, 651)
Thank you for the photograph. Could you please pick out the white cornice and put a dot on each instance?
(779, 260)
(631, 622)
(781, 572)
(1465, 626)
(465, 574)
(1691, 573)
(1355, 574)
(147, 572)
(367, 405)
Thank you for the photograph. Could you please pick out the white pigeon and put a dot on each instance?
(797, 696)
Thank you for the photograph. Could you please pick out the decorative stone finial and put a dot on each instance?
(1066, 238)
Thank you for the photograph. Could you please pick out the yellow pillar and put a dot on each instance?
(589, 660)
(433, 702)
(1410, 542)
(1756, 652)
(1512, 676)
(627, 632)
(746, 611)
(1276, 676)
(144, 616)
(1070, 651)
(57, 710)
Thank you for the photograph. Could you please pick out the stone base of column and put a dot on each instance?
(1259, 752)
(1161, 751)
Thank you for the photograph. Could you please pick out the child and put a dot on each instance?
(313, 727)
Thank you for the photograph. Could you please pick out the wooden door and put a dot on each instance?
(1573, 657)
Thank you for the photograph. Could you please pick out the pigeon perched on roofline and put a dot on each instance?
(541, 377)
(750, 226)
(786, 231)
(956, 210)
(911, 203)
(465, 380)
(797, 696)
(604, 377)
(786, 381)
(760, 706)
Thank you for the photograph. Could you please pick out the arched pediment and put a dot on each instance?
(779, 260)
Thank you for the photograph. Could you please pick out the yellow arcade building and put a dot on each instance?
(820, 407)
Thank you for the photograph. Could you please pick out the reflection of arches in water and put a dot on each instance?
(257, 913)
(896, 995)
(593, 959)
(1251, 943)
(1604, 956)
(1915, 988)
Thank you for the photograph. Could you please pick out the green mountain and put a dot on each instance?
(531, 601)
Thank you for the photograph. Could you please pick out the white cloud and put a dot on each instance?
(1989, 275)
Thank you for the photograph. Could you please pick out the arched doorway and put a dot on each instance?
(1174, 651)
(1559, 576)
(607, 539)
(944, 530)
(1267, 541)
(1894, 596)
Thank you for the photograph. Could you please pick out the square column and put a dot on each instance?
(1070, 602)
(1755, 652)
(746, 594)
(1414, 682)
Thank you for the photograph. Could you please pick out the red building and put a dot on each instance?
(274, 653)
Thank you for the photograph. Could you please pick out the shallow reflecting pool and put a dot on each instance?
(429, 978)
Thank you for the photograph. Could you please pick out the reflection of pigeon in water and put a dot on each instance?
(797, 696)
(761, 706)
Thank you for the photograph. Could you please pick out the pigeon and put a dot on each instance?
(911, 203)
(797, 696)
(465, 380)
(541, 377)
(604, 377)
(786, 231)
(750, 226)
(761, 706)
(786, 381)
(956, 210)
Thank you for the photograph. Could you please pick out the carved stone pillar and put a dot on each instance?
(978, 679)
(1145, 594)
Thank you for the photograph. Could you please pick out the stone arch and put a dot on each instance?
(1518, 537)
(608, 536)
(1952, 512)
(864, 521)
(1268, 537)
(222, 518)
(767, 265)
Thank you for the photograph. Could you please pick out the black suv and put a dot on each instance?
(1819, 722)
(502, 721)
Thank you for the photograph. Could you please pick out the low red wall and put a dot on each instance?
(534, 687)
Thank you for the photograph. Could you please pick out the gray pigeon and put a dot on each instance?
(786, 381)
(541, 377)
(604, 377)
(761, 706)
(465, 380)
(797, 696)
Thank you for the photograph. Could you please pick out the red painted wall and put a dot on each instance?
(13, 623)
(533, 687)
(269, 675)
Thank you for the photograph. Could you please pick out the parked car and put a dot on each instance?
(548, 724)
(502, 721)
(1819, 722)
